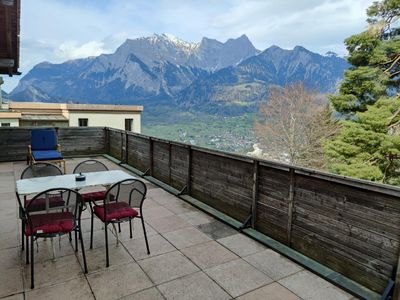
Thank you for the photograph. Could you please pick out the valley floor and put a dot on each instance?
(225, 133)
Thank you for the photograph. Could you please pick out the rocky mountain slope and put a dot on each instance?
(210, 75)
(241, 87)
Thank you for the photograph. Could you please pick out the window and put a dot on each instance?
(83, 122)
(128, 124)
(5, 124)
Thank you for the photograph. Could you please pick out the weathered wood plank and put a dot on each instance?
(317, 248)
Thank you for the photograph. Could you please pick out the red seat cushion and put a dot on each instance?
(61, 222)
(40, 203)
(93, 196)
(115, 211)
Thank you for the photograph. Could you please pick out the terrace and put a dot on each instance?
(306, 234)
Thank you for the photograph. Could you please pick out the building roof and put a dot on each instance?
(9, 36)
(43, 117)
(9, 115)
(74, 107)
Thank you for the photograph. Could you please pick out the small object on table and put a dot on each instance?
(80, 177)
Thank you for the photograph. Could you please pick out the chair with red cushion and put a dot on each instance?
(53, 219)
(122, 203)
(91, 165)
(40, 169)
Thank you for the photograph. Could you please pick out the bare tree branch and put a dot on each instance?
(294, 124)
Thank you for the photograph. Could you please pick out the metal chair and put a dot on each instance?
(123, 202)
(91, 165)
(52, 221)
(40, 169)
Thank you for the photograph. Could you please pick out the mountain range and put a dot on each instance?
(211, 76)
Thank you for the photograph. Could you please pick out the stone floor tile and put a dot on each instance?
(9, 225)
(77, 288)
(62, 247)
(19, 296)
(179, 207)
(86, 225)
(197, 217)
(149, 294)
(137, 229)
(312, 287)
(197, 286)
(157, 244)
(6, 166)
(216, 230)
(8, 198)
(98, 239)
(273, 291)
(118, 281)
(7, 186)
(10, 281)
(209, 254)
(51, 272)
(241, 244)
(9, 240)
(166, 224)
(156, 212)
(10, 258)
(186, 237)
(273, 264)
(7, 213)
(238, 277)
(159, 194)
(150, 203)
(167, 266)
(96, 258)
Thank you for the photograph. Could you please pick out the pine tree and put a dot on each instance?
(369, 142)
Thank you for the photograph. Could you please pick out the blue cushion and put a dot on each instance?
(43, 139)
(46, 155)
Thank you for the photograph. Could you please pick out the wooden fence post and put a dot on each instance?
(122, 147)
(169, 162)
(291, 206)
(189, 171)
(106, 140)
(151, 156)
(126, 147)
(255, 193)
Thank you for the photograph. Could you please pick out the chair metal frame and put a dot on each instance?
(119, 221)
(76, 226)
(89, 201)
(89, 161)
(23, 222)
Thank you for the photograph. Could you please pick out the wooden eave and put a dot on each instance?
(10, 11)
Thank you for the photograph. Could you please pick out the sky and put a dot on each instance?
(59, 30)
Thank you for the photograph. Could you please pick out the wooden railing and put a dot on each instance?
(74, 141)
(349, 225)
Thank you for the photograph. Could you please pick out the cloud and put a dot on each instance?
(59, 30)
(71, 49)
(313, 24)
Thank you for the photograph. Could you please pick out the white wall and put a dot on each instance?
(13, 122)
(106, 119)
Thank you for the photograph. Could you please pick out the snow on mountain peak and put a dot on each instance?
(179, 42)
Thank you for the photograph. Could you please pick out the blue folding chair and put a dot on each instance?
(44, 147)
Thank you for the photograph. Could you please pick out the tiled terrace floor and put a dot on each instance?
(193, 256)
